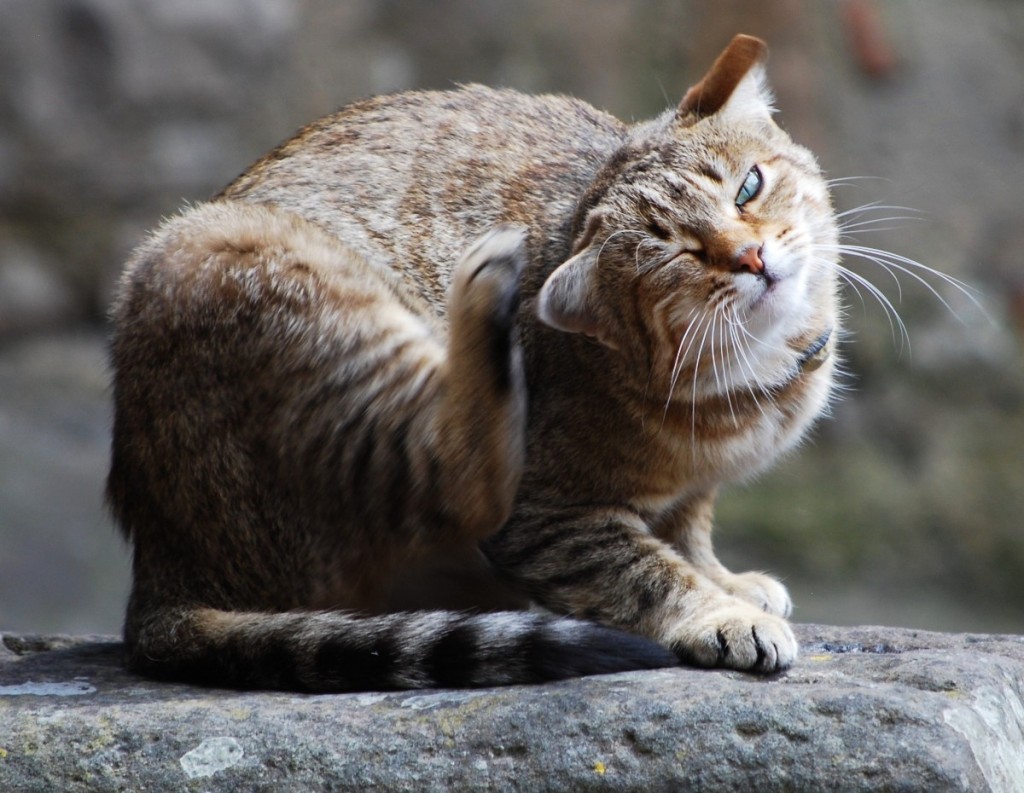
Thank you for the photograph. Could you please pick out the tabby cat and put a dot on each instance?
(444, 355)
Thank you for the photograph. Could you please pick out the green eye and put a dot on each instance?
(751, 187)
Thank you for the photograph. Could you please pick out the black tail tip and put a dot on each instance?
(576, 649)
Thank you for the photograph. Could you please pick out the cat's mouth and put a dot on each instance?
(768, 283)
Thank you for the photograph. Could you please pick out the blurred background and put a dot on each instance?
(905, 508)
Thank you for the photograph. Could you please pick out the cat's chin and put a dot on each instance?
(778, 294)
(778, 307)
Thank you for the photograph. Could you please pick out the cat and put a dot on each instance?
(440, 392)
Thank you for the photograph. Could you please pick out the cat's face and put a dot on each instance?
(706, 238)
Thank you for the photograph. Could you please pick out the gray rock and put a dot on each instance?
(864, 709)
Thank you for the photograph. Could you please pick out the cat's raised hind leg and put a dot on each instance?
(481, 420)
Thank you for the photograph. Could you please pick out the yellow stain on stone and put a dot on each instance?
(600, 768)
(3, 753)
(452, 721)
(820, 658)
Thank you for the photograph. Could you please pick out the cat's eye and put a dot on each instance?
(751, 187)
(658, 230)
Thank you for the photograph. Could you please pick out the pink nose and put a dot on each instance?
(750, 260)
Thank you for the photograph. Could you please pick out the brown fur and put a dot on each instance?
(335, 400)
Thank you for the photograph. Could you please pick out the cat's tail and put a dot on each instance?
(333, 652)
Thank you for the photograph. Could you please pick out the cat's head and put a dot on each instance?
(705, 240)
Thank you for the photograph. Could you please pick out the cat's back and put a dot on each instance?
(441, 144)
(412, 178)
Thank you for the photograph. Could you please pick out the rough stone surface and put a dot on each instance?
(865, 709)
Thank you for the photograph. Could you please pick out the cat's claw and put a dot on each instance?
(737, 636)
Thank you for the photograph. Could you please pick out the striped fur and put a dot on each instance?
(445, 353)
(332, 651)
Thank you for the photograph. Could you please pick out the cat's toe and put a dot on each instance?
(762, 590)
(737, 637)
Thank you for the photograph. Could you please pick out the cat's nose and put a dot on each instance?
(750, 260)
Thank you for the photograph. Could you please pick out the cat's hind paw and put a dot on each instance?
(485, 299)
(488, 276)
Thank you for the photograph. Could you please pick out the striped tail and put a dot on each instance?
(335, 652)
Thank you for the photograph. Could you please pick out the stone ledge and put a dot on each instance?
(864, 709)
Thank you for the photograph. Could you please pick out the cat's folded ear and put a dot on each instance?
(734, 86)
(568, 299)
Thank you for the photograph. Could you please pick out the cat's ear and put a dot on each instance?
(567, 300)
(734, 86)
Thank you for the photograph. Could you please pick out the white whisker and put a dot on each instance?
(892, 261)
(611, 236)
(856, 221)
(746, 352)
(696, 375)
(849, 181)
(895, 321)
(677, 364)
(848, 230)
(876, 206)
(742, 347)
(636, 253)
(720, 343)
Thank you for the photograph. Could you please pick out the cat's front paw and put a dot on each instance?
(736, 635)
(760, 589)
